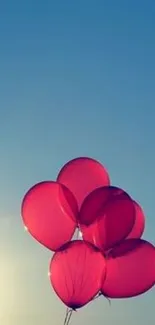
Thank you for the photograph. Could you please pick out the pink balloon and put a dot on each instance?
(114, 216)
(82, 175)
(139, 225)
(49, 211)
(76, 273)
(130, 269)
(95, 203)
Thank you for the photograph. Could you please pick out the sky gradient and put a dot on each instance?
(76, 78)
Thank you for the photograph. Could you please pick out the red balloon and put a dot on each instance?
(114, 214)
(82, 176)
(95, 203)
(76, 273)
(49, 211)
(130, 269)
(139, 224)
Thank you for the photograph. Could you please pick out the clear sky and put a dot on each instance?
(76, 78)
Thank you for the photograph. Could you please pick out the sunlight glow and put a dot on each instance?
(8, 283)
(49, 274)
(25, 228)
(80, 235)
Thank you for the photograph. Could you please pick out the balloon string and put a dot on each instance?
(68, 316)
(67, 310)
(70, 311)
(108, 300)
(98, 296)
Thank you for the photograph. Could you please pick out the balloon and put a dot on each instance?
(130, 269)
(94, 204)
(76, 273)
(139, 224)
(114, 214)
(49, 211)
(83, 175)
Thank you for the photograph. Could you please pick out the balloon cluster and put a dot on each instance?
(110, 258)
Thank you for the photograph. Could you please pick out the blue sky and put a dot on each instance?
(76, 78)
